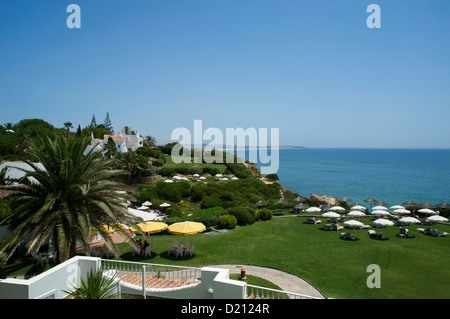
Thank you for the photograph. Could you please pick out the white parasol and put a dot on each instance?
(330, 215)
(383, 222)
(437, 218)
(356, 214)
(313, 210)
(401, 211)
(409, 220)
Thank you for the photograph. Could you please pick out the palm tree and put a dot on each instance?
(126, 129)
(96, 286)
(72, 196)
(150, 141)
(8, 126)
(110, 148)
(68, 126)
(133, 163)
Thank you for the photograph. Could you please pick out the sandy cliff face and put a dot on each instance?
(323, 200)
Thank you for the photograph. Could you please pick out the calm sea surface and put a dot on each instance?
(392, 175)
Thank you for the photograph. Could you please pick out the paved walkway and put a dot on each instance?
(285, 281)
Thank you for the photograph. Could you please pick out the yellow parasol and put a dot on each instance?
(107, 229)
(111, 228)
(150, 227)
(186, 228)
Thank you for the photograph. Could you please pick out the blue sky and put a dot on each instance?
(311, 68)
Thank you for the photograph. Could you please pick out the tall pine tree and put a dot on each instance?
(93, 122)
(108, 124)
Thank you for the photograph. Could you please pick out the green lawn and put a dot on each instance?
(410, 268)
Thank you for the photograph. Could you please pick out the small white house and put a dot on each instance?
(132, 142)
(119, 141)
(124, 142)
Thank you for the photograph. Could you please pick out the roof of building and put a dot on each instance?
(115, 138)
(5, 192)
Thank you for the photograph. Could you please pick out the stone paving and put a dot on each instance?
(285, 281)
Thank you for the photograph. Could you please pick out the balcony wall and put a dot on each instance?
(51, 283)
(215, 283)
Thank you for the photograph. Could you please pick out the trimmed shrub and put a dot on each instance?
(183, 170)
(242, 214)
(147, 195)
(210, 170)
(263, 214)
(227, 221)
(209, 220)
(172, 195)
(167, 171)
(208, 202)
(197, 193)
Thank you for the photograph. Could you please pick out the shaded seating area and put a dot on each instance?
(404, 233)
(425, 222)
(180, 250)
(102, 252)
(44, 257)
(348, 236)
(434, 232)
(331, 227)
(374, 235)
(313, 221)
(143, 249)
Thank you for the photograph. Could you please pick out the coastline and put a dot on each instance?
(248, 148)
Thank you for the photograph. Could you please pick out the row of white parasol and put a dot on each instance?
(357, 211)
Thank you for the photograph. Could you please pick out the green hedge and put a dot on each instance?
(244, 216)
(227, 221)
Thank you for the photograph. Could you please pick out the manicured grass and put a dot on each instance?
(410, 268)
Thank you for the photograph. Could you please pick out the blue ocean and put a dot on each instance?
(392, 175)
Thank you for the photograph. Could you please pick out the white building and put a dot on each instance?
(124, 142)
(132, 142)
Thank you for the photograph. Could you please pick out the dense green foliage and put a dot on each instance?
(227, 221)
(263, 214)
(16, 139)
(74, 194)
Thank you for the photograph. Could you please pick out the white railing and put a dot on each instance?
(152, 277)
(256, 292)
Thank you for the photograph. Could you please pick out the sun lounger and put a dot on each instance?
(374, 235)
(426, 222)
(313, 221)
(348, 236)
(436, 233)
(381, 236)
(400, 223)
(332, 227)
(404, 233)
